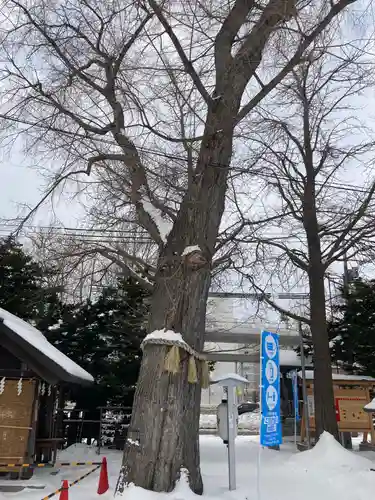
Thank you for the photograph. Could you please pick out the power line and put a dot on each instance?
(122, 236)
(171, 156)
(331, 184)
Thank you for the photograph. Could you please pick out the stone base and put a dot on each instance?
(303, 446)
(366, 447)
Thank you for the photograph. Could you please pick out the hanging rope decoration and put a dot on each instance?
(2, 385)
(172, 363)
(19, 387)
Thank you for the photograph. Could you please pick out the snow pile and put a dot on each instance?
(247, 421)
(328, 454)
(182, 491)
(370, 406)
(207, 421)
(277, 475)
(79, 452)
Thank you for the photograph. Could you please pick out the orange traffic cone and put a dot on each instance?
(64, 495)
(103, 485)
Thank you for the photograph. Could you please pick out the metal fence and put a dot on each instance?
(103, 427)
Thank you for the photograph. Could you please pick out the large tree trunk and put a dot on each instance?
(325, 415)
(166, 407)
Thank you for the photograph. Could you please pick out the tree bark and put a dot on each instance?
(163, 434)
(325, 415)
(166, 407)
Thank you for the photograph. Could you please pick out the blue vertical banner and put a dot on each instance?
(295, 395)
(270, 427)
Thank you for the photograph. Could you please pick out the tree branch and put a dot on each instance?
(189, 68)
(307, 40)
(265, 297)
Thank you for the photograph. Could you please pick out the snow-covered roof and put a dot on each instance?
(341, 376)
(244, 333)
(288, 357)
(32, 347)
(230, 377)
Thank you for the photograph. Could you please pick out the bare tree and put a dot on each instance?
(130, 88)
(313, 136)
(87, 259)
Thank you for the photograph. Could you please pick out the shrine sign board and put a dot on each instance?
(349, 404)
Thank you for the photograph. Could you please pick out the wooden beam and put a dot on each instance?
(232, 357)
(232, 333)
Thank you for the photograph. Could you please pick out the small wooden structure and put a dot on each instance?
(352, 394)
(32, 372)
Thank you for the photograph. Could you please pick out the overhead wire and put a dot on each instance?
(171, 156)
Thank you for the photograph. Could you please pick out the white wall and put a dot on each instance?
(218, 311)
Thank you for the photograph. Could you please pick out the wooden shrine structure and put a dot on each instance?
(352, 393)
(32, 372)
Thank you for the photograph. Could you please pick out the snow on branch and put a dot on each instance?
(190, 249)
(164, 226)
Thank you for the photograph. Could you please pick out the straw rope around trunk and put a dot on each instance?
(198, 369)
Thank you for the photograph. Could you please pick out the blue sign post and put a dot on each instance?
(294, 378)
(270, 428)
(295, 395)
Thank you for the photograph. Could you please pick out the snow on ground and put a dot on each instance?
(328, 472)
(329, 454)
(246, 421)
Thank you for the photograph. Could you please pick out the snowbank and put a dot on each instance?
(79, 453)
(247, 421)
(279, 477)
(182, 491)
(328, 454)
(370, 407)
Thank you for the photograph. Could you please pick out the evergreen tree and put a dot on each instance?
(22, 288)
(353, 331)
(104, 337)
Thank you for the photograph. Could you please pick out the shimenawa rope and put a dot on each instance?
(172, 363)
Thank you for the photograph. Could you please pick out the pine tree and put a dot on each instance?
(353, 331)
(22, 288)
(104, 337)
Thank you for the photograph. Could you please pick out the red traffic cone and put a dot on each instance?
(103, 485)
(64, 495)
